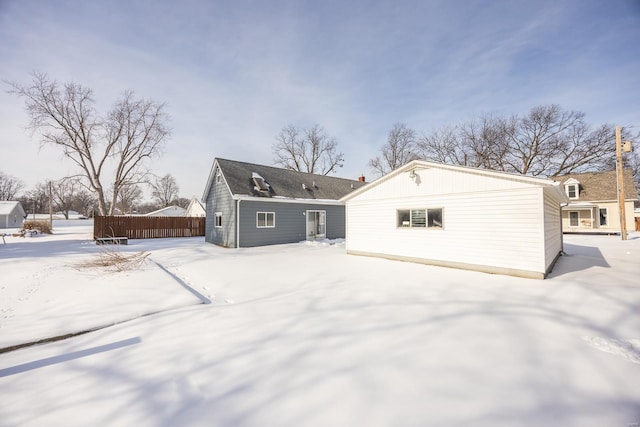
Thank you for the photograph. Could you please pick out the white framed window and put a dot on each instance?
(573, 191)
(574, 219)
(218, 216)
(265, 219)
(420, 218)
(602, 217)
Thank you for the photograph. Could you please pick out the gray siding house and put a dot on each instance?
(11, 214)
(254, 205)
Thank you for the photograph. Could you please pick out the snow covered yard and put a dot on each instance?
(305, 335)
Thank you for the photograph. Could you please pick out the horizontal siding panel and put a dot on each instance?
(290, 222)
(435, 181)
(502, 229)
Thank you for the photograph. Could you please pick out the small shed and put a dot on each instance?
(11, 214)
(459, 217)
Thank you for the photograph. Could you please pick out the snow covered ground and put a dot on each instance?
(305, 335)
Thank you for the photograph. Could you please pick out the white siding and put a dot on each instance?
(552, 228)
(435, 181)
(502, 229)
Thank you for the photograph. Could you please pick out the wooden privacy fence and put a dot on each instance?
(147, 227)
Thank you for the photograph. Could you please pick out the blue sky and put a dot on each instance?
(234, 73)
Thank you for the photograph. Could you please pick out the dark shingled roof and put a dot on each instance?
(284, 182)
(600, 186)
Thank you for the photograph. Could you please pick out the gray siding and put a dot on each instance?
(219, 200)
(13, 219)
(290, 222)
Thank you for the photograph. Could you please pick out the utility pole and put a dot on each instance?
(620, 177)
(50, 205)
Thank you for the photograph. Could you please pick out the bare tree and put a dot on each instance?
(164, 190)
(399, 150)
(128, 197)
(307, 150)
(183, 202)
(10, 186)
(552, 141)
(548, 141)
(65, 116)
(36, 200)
(68, 194)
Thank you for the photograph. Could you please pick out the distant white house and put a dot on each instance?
(593, 202)
(195, 208)
(11, 214)
(168, 211)
(459, 217)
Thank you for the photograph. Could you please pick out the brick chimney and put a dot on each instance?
(361, 178)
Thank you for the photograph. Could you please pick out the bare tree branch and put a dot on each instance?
(308, 150)
(399, 150)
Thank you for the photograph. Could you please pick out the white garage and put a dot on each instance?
(458, 217)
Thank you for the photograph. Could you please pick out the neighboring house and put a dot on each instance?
(593, 202)
(195, 208)
(11, 214)
(254, 205)
(168, 211)
(460, 217)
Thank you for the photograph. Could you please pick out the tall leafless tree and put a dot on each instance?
(552, 141)
(548, 141)
(65, 115)
(399, 150)
(10, 186)
(164, 190)
(128, 197)
(307, 150)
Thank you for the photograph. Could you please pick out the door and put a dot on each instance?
(316, 225)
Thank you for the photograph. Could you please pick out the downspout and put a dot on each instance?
(238, 224)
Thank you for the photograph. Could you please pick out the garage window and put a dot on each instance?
(420, 218)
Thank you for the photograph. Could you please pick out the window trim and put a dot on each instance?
(576, 189)
(577, 218)
(423, 226)
(217, 220)
(606, 217)
(266, 219)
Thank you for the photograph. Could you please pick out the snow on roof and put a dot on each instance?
(6, 207)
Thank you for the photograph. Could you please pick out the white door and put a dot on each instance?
(316, 225)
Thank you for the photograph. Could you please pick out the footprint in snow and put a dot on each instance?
(228, 300)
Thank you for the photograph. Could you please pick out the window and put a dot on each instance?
(434, 218)
(572, 191)
(602, 214)
(420, 218)
(260, 183)
(218, 220)
(265, 219)
(574, 219)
